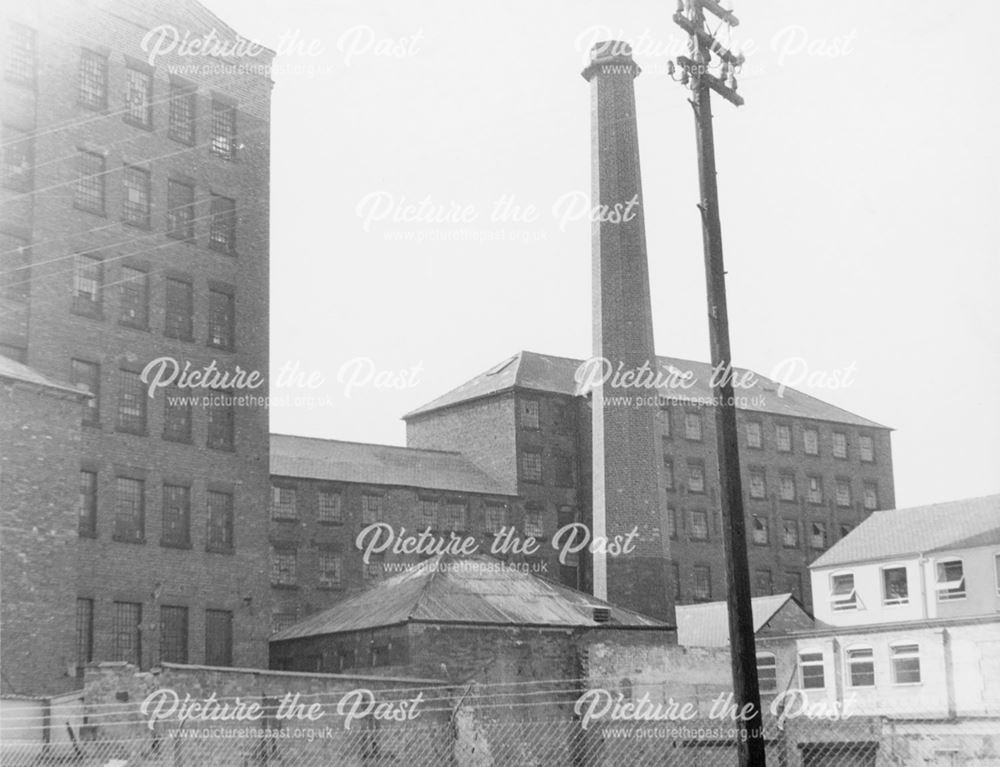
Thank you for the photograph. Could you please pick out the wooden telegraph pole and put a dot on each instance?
(695, 71)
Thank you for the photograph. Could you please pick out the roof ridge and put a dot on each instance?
(372, 444)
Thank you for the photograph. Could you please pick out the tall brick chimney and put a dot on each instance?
(626, 449)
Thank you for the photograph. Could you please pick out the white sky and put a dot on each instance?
(859, 200)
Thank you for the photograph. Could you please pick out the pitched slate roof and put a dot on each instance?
(12, 370)
(476, 589)
(963, 524)
(365, 463)
(707, 624)
(539, 372)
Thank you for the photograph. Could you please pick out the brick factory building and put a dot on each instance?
(134, 227)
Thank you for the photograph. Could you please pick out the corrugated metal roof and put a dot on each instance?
(540, 372)
(334, 460)
(15, 371)
(474, 589)
(707, 624)
(897, 533)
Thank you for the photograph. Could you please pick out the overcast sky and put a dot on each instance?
(859, 195)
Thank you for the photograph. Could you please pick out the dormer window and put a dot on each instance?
(843, 595)
(950, 580)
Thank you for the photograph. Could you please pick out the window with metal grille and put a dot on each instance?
(698, 521)
(950, 580)
(817, 535)
(329, 506)
(131, 402)
(495, 517)
(815, 494)
(218, 638)
(223, 142)
(783, 438)
(126, 636)
(866, 448)
(21, 64)
(220, 522)
(135, 206)
(134, 298)
(810, 441)
(90, 182)
(455, 515)
(692, 425)
(767, 672)
(529, 414)
(15, 277)
(88, 504)
(130, 510)
(176, 515)
(180, 210)
(759, 527)
(371, 508)
(843, 595)
(428, 513)
(221, 319)
(93, 90)
(176, 415)
(789, 533)
(87, 281)
(843, 492)
(284, 564)
(839, 444)
(221, 420)
(905, 663)
(758, 487)
(283, 502)
(871, 496)
(173, 634)
(138, 98)
(182, 113)
(754, 436)
(18, 159)
(531, 466)
(222, 224)
(330, 566)
(534, 525)
(811, 669)
(281, 621)
(695, 477)
(87, 376)
(786, 487)
(84, 630)
(179, 301)
(895, 589)
(702, 583)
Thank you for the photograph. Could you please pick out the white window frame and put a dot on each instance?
(894, 655)
(850, 661)
(894, 601)
(949, 591)
(821, 663)
(844, 602)
(771, 661)
(996, 570)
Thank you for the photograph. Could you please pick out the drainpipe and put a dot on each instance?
(921, 566)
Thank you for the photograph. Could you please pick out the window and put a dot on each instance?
(91, 173)
(895, 590)
(667, 425)
(668, 474)
(810, 441)
(221, 420)
(222, 226)
(811, 669)
(786, 487)
(15, 277)
(692, 425)
(218, 638)
(135, 206)
(845, 530)
(843, 596)
(815, 494)
(126, 633)
(330, 567)
(427, 509)
(87, 280)
(282, 621)
(783, 438)
(18, 159)
(696, 477)
(675, 576)
(789, 533)
(871, 496)
(564, 416)
(455, 515)
(758, 487)
(793, 583)
(764, 582)
(759, 526)
(84, 630)
(221, 319)
(531, 466)
(138, 98)
(839, 444)
(283, 566)
(180, 210)
(950, 580)
(866, 448)
(88, 504)
(533, 523)
(176, 516)
(329, 508)
(182, 113)
(223, 142)
(173, 634)
(996, 570)
(817, 535)
(565, 470)
(371, 508)
(130, 510)
(87, 376)
(672, 522)
(131, 403)
(529, 414)
(699, 525)
(134, 295)
(496, 518)
(905, 663)
(861, 666)
(283, 502)
(767, 672)
(93, 92)
(754, 438)
(21, 54)
(702, 583)
(176, 415)
(179, 299)
(844, 492)
(220, 522)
